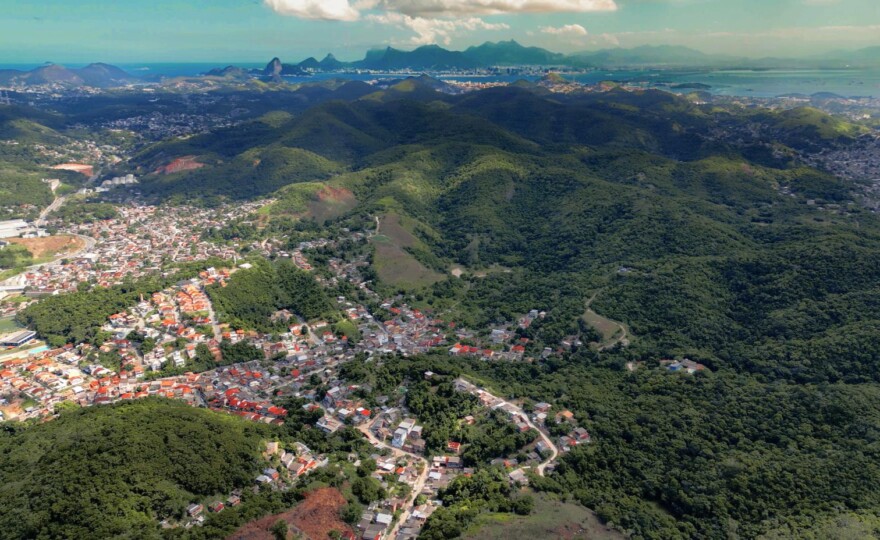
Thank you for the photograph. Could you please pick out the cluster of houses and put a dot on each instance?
(285, 467)
(577, 435)
(142, 240)
(293, 462)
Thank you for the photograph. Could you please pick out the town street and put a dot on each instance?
(416, 488)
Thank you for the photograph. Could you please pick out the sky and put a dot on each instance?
(227, 31)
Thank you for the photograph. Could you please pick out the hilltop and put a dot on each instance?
(97, 75)
(138, 462)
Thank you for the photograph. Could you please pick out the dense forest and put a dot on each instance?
(116, 471)
(697, 456)
(252, 296)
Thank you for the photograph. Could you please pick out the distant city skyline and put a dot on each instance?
(78, 31)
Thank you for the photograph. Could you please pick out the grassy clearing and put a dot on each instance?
(331, 203)
(550, 519)
(316, 200)
(394, 265)
(8, 325)
(608, 328)
(398, 268)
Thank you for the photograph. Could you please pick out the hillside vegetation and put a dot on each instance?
(115, 471)
(725, 259)
(703, 240)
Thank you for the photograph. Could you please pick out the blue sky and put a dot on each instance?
(72, 31)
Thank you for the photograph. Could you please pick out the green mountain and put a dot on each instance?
(111, 471)
(23, 165)
(574, 189)
(510, 52)
(424, 57)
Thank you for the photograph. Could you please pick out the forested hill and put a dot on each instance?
(697, 226)
(116, 471)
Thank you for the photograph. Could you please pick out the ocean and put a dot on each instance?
(758, 83)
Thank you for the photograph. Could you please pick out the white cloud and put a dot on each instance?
(453, 8)
(437, 21)
(330, 10)
(609, 39)
(348, 10)
(430, 31)
(567, 30)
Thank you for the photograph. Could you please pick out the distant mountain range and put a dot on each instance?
(434, 58)
(98, 75)
(511, 53)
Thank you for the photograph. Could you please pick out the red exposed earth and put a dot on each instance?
(313, 518)
(185, 163)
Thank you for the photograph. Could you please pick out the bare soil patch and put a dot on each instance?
(185, 163)
(51, 246)
(314, 518)
(331, 202)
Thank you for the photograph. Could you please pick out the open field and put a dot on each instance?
(550, 519)
(8, 325)
(51, 247)
(608, 328)
(612, 332)
(395, 266)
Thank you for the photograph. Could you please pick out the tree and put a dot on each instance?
(367, 490)
(352, 512)
(279, 530)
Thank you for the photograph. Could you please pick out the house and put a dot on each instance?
(580, 435)
(416, 446)
(519, 476)
(216, 507)
(564, 416)
(453, 462)
(542, 407)
(329, 424)
(399, 438)
(194, 509)
(374, 532)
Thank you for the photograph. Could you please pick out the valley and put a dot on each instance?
(405, 310)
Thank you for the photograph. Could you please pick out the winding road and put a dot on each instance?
(515, 409)
(417, 487)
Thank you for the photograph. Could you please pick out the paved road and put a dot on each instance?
(416, 488)
(510, 407)
(56, 204)
(59, 201)
(215, 324)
